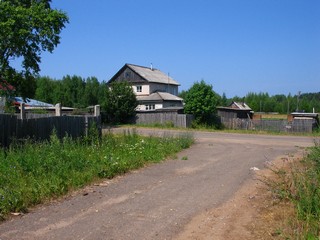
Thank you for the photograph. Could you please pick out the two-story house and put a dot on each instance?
(153, 88)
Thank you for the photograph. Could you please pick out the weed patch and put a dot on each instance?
(300, 186)
(36, 172)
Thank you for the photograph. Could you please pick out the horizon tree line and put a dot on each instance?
(78, 92)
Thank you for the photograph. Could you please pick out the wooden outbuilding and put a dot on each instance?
(235, 110)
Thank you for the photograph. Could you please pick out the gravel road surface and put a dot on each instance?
(156, 202)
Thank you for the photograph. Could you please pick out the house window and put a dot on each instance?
(150, 107)
(139, 88)
(128, 75)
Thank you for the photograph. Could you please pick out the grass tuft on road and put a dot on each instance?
(36, 172)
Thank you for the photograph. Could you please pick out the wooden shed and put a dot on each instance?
(235, 110)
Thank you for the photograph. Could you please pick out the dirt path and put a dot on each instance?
(180, 199)
(251, 213)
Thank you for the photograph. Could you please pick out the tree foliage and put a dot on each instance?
(201, 101)
(120, 102)
(71, 91)
(27, 28)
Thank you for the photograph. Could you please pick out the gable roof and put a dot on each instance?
(149, 74)
(159, 96)
(237, 106)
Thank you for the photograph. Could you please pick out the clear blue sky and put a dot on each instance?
(237, 46)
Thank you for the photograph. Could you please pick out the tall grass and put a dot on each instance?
(301, 187)
(306, 195)
(35, 172)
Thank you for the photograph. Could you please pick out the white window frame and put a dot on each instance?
(150, 107)
(139, 88)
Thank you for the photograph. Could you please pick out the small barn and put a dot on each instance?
(235, 110)
(304, 122)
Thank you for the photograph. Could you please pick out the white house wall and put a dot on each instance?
(158, 106)
(153, 87)
(142, 107)
(145, 89)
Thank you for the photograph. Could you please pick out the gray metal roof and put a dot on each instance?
(240, 105)
(310, 115)
(153, 75)
(237, 106)
(159, 96)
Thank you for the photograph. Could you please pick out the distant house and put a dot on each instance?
(154, 89)
(235, 110)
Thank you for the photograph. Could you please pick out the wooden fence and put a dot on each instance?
(12, 128)
(297, 125)
(178, 120)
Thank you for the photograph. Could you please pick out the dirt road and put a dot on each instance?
(156, 202)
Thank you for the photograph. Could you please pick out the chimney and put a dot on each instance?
(151, 67)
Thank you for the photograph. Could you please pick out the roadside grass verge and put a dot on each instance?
(306, 195)
(300, 186)
(36, 172)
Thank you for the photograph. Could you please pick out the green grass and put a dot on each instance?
(306, 195)
(301, 186)
(37, 172)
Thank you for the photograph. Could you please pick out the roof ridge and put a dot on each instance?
(148, 74)
(135, 65)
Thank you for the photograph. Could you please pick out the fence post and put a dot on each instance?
(22, 111)
(97, 110)
(58, 109)
(86, 126)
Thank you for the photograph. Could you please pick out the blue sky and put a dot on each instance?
(237, 46)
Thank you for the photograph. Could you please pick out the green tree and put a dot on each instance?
(182, 94)
(224, 100)
(91, 92)
(27, 28)
(45, 90)
(71, 91)
(201, 101)
(120, 102)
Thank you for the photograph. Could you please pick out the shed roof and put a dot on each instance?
(237, 106)
(306, 115)
(149, 74)
(240, 105)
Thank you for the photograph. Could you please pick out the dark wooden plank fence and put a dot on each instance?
(178, 120)
(7, 129)
(297, 125)
(41, 128)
